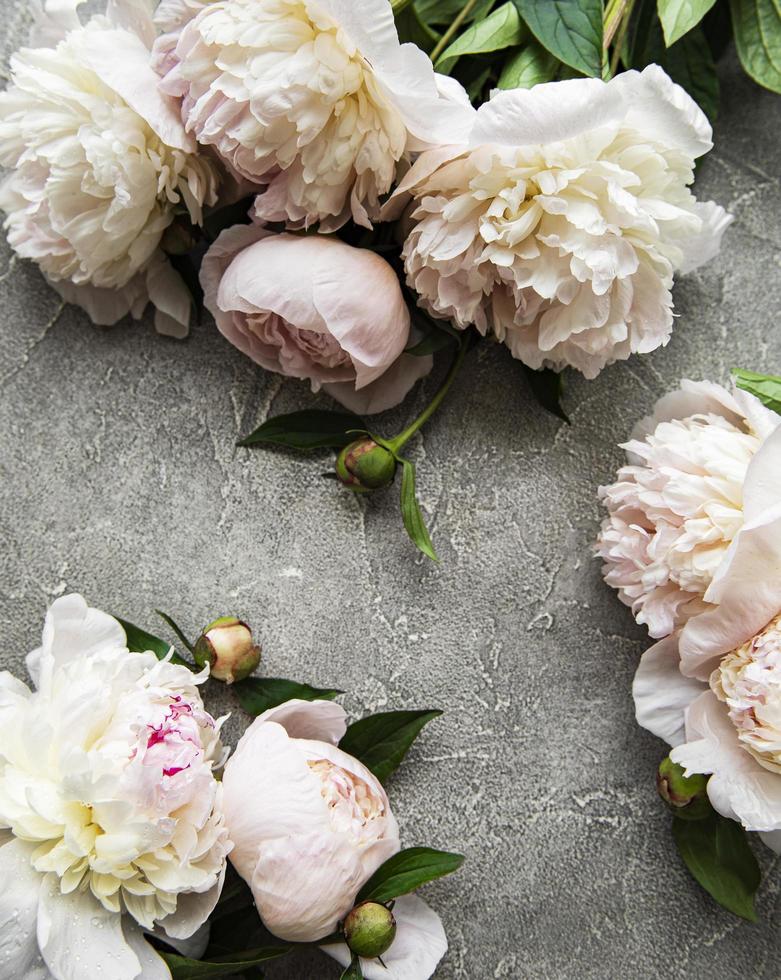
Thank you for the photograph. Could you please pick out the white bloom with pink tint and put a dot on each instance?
(314, 308)
(309, 823)
(559, 223)
(695, 468)
(315, 98)
(99, 163)
(110, 815)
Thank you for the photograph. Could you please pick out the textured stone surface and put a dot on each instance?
(120, 479)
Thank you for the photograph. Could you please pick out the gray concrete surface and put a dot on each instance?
(120, 479)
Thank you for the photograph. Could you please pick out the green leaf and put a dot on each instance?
(717, 853)
(528, 66)
(501, 29)
(547, 387)
(442, 12)
(765, 387)
(183, 968)
(411, 28)
(757, 27)
(410, 511)
(310, 429)
(139, 641)
(678, 17)
(381, 741)
(353, 971)
(174, 626)
(258, 694)
(570, 29)
(406, 871)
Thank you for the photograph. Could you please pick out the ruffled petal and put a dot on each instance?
(324, 721)
(19, 954)
(389, 390)
(661, 692)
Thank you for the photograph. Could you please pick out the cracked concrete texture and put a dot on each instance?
(121, 480)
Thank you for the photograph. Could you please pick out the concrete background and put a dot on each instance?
(120, 480)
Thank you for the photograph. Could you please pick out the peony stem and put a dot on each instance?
(446, 38)
(398, 5)
(619, 31)
(404, 437)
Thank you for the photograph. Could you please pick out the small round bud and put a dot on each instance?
(687, 797)
(369, 929)
(226, 645)
(364, 466)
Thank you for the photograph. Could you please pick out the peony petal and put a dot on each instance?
(221, 253)
(661, 692)
(72, 630)
(763, 478)
(706, 245)
(78, 938)
(19, 953)
(419, 945)
(171, 298)
(389, 390)
(52, 20)
(325, 721)
(193, 947)
(192, 912)
(153, 966)
(135, 16)
(105, 307)
(739, 788)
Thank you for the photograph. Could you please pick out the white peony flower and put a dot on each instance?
(110, 815)
(559, 224)
(315, 98)
(678, 506)
(100, 165)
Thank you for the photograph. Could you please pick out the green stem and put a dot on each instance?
(620, 37)
(450, 33)
(404, 437)
(398, 5)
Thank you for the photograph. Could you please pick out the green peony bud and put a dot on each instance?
(226, 645)
(364, 466)
(369, 929)
(687, 797)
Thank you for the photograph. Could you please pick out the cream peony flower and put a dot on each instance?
(559, 224)
(309, 823)
(315, 98)
(696, 469)
(110, 815)
(314, 308)
(100, 164)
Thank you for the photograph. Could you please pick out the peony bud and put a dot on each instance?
(226, 645)
(369, 929)
(686, 796)
(364, 466)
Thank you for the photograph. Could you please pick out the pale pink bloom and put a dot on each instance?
(309, 823)
(312, 307)
(111, 818)
(559, 223)
(315, 98)
(99, 162)
(695, 486)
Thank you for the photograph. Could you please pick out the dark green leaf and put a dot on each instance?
(547, 387)
(570, 29)
(412, 28)
(353, 971)
(717, 853)
(183, 968)
(765, 387)
(757, 27)
(501, 29)
(258, 694)
(310, 429)
(528, 66)
(442, 12)
(410, 511)
(406, 871)
(139, 641)
(174, 626)
(678, 17)
(381, 741)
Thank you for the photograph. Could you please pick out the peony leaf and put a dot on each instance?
(353, 971)
(258, 694)
(310, 429)
(570, 29)
(757, 27)
(717, 853)
(406, 871)
(678, 17)
(139, 641)
(410, 511)
(501, 29)
(443, 12)
(411, 28)
(528, 66)
(765, 387)
(547, 387)
(381, 741)
(183, 968)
